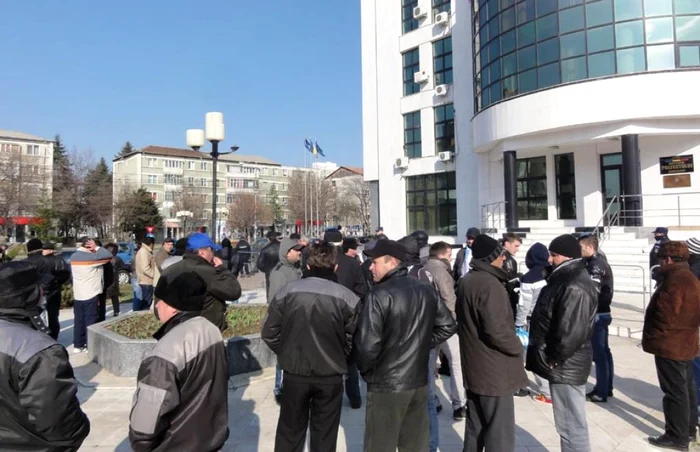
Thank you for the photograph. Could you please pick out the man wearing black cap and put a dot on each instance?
(58, 274)
(268, 258)
(401, 320)
(491, 352)
(40, 410)
(464, 256)
(560, 349)
(181, 397)
(660, 237)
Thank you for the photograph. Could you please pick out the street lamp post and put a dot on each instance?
(214, 132)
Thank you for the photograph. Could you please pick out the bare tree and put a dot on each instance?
(309, 187)
(191, 199)
(21, 182)
(246, 211)
(357, 190)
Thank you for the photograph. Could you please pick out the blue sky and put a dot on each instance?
(101, 73)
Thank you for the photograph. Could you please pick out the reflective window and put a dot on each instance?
(547, 27)
(411, 65)
(548, 75)
(441, 6)
(412, 135)
(629, 34)
(431, 203)
(545, 7)
(686, 6)
(566, 186)
(527, 58)
(510, 86)
(548, 51)
(568, 3)
(573, 69)
(571, 19)
(526, 34)
(442, 61)
(409, 23)
(631, 60)
(601, 64)
(532, 188)
(600, 39)
(573, 44)
(444, 128)
(689, 56)
(599, 13)
(508, 19)
(661, 58)
(510, 64)
(527, 81)
(628, 9)
(659, 30)
(657, 8)
(508, 42)
(688, 28)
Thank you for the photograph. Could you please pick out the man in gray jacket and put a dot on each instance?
(439, 266)
(287, 270)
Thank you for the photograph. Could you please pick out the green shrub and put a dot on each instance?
(17, 250)
(67, 296)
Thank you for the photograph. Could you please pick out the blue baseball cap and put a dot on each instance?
(201, 240)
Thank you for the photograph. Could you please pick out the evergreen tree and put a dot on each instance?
(274, 203)
(136, 211)
(61, 166)
(126, 150)
(97, 196)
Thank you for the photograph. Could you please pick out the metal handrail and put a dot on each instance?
(489, 213)
(661, 211)
(602, 222)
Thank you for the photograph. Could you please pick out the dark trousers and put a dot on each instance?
(53, 306)
(115, 303)
(85, 314)
(397, 420)
(677, 382)
(101, 307)
(146, 297)
(604, 366)
(267, 286)
(313, 405)
(352, 385)
(490, 423)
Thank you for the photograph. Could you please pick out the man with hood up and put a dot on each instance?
(287, 270)
(37, 386)
(423, 246)
(464, 256)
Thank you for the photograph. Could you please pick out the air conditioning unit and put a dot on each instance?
(401, 162)
(441, 90)
(419, 13)
(442, 19)
(420, 77)
(445, 156)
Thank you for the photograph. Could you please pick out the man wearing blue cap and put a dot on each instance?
(222, 285)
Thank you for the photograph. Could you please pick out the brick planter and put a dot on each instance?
(122, 356)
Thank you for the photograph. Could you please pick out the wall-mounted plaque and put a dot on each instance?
(677, 181)
(677, 164)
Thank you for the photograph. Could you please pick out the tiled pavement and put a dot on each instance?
(620, 425)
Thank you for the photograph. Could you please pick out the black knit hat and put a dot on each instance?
(566, 245)
(180, 246)
(48, 245)
(486, 248)
(473, 232)
(19, 285)
(183, 291)
(33, 245)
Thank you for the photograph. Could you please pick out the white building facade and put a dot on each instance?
(549, 113)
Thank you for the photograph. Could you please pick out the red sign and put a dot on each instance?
(22, 221)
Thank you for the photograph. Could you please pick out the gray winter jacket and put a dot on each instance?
(284, 272)
(443, 281)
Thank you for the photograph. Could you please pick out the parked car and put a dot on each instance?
(126, 253)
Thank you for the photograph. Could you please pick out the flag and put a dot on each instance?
(318, 150)
(309, 145)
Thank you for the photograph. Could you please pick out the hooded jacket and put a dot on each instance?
(285, 271)
(402, 319)
(222, 286)
(39, 410)
(412, 261)
(442, 277)
(180, 402)
(562, 326)
(602, 276)
(492, 354)
(537, 261)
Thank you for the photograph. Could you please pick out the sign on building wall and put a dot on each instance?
(677, 164)
(677, 181)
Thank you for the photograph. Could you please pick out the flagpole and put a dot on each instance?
(305, 229)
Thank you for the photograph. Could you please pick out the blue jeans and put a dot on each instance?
(84, 315)
(696, 374)
(146, 298)
(432, 404)
(278, 381)
(604, 367)
(136, 300)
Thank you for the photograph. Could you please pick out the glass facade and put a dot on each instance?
(532, 188)
(431, 203)
(408, 23)
(444, 128)
(412, 141)
(526, 45)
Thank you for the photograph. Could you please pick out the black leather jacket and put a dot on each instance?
(602, 276)
(269, 257)
(401, 320)
(50, 265)
(562, 326)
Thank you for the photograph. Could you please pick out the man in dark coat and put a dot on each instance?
(492, 354)
(241, 258)
(117, 265)
(38, 404)
(660, 237)
(560, 339)
(464, 255)
(670, 333)
(268, 259)
(602, 276)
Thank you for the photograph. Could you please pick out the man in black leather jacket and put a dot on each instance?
(511, 244)
(58, 274)
(268, 259)
(392, 360)
(39, 410)
(560, 339)
(602, 276)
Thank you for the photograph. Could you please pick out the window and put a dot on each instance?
(566, 186)
(169, 196)
(412, 135)
(152, 179)
(431, 203)
(659, 30)
(285, 173)
(172, 179)
(688, 28)
(629, 34)
(442, 61)
(411, 65)
(190, 181)
(284, 201)
(264, 171)
(153, 163)
(661, 58)
(154, 196)
(5, 147)
(229, 198)
(203, 166)
(445, 128)
(631, 60)
(441, 6)
(32, 149)
(203, 182)
(169, 163)
(532, 188)
(274, 171)
(408, 22)
(689, 55)
(190, 165)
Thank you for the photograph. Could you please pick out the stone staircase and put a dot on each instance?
(627, 255)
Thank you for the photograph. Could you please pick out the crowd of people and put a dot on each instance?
(333, 319)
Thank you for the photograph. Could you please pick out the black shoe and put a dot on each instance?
(610, 393)
(356, 404)
(663, 442)
(522, 393)
(459, 414)
(278, 399)
(595, 398)
(444, 370)
(438, 408)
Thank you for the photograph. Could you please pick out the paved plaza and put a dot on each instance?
(620, 425)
